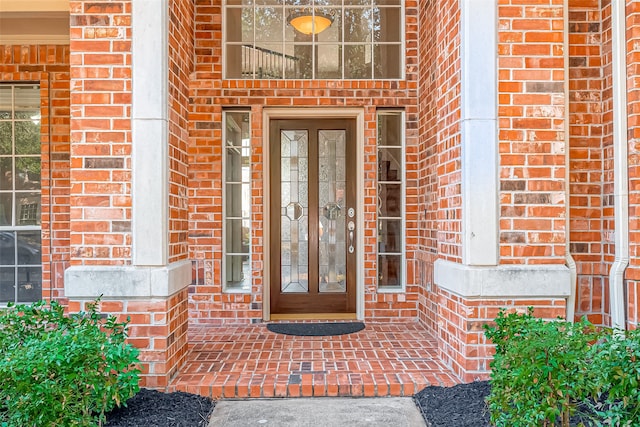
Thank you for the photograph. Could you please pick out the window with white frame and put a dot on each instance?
(237, 202)
(20, 194)
(391, 201)
(313, 39)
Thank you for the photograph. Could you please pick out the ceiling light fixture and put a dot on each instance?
(307, 22)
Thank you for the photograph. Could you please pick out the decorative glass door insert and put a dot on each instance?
(313, 216)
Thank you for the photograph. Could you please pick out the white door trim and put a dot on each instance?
(314, 113)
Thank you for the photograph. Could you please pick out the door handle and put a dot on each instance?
(351, 226)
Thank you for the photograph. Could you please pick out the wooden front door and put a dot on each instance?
(313, 216)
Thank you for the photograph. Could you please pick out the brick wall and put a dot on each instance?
(531, 121)
(462, 343)
(428, 178)
(210, 94)
(180, 67)
(587, 133)
(633, 94)
(100, 132)
(449, 161)
(48, 65)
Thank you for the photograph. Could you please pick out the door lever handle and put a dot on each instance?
(351, 226)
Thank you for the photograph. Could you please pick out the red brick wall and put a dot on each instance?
(48, 65)
(428, 178)
(210, 94)
(180, 67)
(633, 98)
(531, 120)
(587, 110)
(449, 161)
(100, 132)
(462, 343)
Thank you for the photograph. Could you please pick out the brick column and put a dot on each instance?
(511, 175)
(120, 177)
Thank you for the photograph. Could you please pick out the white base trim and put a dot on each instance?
(126, 281)
(511, 281)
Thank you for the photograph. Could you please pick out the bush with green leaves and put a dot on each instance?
(615, 365)
(543, 373)
(63, 370)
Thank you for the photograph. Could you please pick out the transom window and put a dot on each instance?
(313, 39)
(20, 208)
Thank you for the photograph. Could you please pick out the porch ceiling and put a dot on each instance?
(34, 22)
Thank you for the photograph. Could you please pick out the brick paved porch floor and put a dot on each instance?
(250, 361)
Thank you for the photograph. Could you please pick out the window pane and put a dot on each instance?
(7, 248)
(28, 173)
(239, 25)
(6, 173)
(6, 209)
(237, 129)
(334, 32)
(389, 270)
(389, 129)
(6, 137)
(270, 60)
(27, 137)
(27, 102)
(302, 62)
(27, 208)
(389, 200)
(237, 236)
(269, 23)
(29, 284)
(386, 27)
(7, 285)
(388, 61)
(329, 62)
(358, 25)
(358, 62)
(29, 248)
(237, 273)
(5, 102)
(389, 164)
(389, 235)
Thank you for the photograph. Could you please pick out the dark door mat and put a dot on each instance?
(315, 329)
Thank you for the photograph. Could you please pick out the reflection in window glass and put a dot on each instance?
(237, 199)
(390, 201)
(313, 39)
(20, 194)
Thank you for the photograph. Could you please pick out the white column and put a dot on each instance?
(150, 156)
(479, 99)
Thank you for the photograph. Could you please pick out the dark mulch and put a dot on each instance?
(150, 408)
(461, 405)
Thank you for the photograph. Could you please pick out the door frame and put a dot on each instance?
(311, 113)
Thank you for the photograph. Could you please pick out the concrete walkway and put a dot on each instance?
(318, 411)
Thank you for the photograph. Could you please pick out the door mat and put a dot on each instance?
(315, 329)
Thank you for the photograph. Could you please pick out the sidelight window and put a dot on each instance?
(237, 202)
(313, 39)
(20, 194)
(390, 201)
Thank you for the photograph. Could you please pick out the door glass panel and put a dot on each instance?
(332, 261)
(294, 211)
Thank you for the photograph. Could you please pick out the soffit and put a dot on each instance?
(34, 22)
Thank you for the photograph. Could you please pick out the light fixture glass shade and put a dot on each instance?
(306, 23)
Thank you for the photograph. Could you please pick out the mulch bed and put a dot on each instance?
(461, 405)
(150, 408)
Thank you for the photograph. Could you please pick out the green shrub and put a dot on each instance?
(539, 372)
(615, 362)
(62, 370)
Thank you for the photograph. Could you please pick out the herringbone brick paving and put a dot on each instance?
(250, 361)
